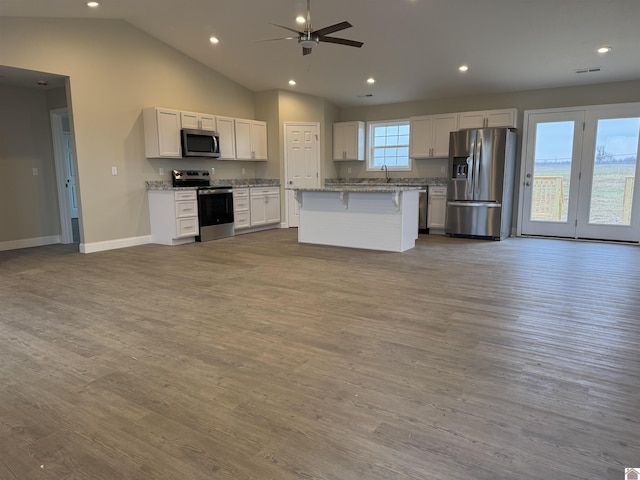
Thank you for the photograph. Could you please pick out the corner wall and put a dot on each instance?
(28, 202)
(114, 72)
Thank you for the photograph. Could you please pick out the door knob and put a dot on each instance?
(290, 182)
(528, 184)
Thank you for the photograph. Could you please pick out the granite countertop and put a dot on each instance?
(418, 182)
(382, 188)
(233, 182)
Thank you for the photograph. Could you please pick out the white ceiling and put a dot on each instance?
(411, 47)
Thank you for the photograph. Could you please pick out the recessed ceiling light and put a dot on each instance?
(301, 19)
(463, 68)
(371, 81)
(605, 49)
(92, 4)
(214, 40)
(292, 82)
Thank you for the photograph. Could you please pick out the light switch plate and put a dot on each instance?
(34, 171)
(114, 170)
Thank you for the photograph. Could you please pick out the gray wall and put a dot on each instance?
(28, 203)
(114, 72)
(601, 94)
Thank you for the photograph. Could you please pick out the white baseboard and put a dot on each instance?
(30, 242)
(114, 244)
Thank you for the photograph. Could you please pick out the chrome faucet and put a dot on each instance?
(386, 173)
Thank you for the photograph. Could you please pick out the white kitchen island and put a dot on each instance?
(371, 217)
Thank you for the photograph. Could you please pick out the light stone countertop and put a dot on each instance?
(388, 188)
(234, 183)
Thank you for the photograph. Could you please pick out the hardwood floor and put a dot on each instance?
(254, 357)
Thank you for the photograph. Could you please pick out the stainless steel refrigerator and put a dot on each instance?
(480, 186)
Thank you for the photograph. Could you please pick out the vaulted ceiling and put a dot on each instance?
(412, 48)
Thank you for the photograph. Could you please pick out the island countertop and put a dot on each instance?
(356, 188)
(380, 217)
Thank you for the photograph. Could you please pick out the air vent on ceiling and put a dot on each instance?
(588, 70)
(365, 95)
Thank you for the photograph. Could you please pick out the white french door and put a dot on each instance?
(579, 174)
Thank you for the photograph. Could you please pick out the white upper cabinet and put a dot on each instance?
(251, 139)
(198, 121)
(225, 126)
(161, 133)
(430, 135)
(348, 141)
(488, 118)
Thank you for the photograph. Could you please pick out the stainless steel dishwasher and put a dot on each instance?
(423, 199)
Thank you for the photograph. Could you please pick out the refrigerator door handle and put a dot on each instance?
(476, 180)
(469, 177)
(475, 204)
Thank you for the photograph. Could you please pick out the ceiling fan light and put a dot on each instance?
(308, 42)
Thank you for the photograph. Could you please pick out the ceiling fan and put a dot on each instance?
(309, 38)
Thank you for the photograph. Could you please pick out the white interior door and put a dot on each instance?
(579, 174)
(302, 162)
(71, 175)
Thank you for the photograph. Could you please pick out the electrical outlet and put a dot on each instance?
(349, 170)
(114, 170)
(34, 171)
(161, 171)
(243, 171)
(443, 169)
(213, 171)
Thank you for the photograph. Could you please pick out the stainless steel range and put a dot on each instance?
(215, 204)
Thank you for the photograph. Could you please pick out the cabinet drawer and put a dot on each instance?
(185, 195)
(240, 192)
(437, 191)
(187, 209)
(265, 190)
(241, 219)
(241, 204)
(186, 227)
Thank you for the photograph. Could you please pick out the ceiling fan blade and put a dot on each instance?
(332, 29)
(287, 28)
(341, 41)
(274, 39)
(306, 51)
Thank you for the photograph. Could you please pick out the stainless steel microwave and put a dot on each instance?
(200, 143)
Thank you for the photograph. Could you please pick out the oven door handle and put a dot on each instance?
(215, 191)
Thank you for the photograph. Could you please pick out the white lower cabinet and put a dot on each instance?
(174, 216)
(264, 205)
(436, 209)
(241, 213)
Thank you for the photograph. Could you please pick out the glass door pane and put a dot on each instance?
(614, 171)
(553, 151)
(552, 171)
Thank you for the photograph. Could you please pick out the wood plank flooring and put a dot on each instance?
(257, 358)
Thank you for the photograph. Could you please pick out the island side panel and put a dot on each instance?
(358, 220)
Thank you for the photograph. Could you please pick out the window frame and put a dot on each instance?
(370, 147)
